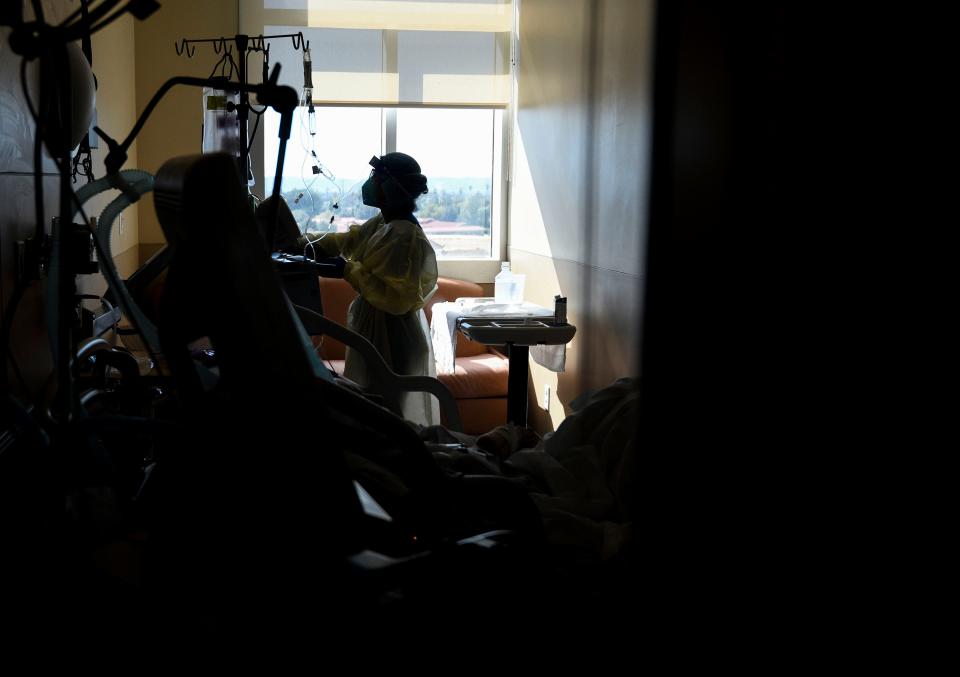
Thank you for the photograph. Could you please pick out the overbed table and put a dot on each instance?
(518, 331)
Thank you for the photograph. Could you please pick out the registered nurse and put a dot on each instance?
(391, 264)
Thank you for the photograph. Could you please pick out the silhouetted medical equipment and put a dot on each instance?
(134, 184)
(62, 113)
(246, 44)
(283, 99)
(61, 308)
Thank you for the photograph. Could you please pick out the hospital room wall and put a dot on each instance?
(113, 63)
(114, 59)
(578, 200)
(174, 128)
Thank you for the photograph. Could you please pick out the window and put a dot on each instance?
(430, 78)
(455, 148)
(345, 141)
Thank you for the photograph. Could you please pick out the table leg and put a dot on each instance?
(517, 384)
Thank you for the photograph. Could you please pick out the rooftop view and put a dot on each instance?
(453, 148)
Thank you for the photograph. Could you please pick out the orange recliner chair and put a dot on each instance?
(479, 382)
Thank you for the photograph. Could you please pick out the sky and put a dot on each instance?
(446, 143)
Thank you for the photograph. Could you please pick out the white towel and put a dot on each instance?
(553, 358)
(443, 333)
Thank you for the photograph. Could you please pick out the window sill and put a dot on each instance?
(481, 271)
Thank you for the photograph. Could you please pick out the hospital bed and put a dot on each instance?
(267, 464)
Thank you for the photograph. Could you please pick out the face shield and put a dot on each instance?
(383, 179)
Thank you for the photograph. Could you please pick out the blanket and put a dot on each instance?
(580, 477)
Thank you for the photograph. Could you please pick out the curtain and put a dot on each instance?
(392, 52)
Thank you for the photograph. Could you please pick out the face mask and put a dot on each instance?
(369, 193)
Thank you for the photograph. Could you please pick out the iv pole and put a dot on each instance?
(244, 44)
(281, 98)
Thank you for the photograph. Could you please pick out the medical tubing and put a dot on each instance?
(139, 183)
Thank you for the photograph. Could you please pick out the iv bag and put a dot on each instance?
(221, 128)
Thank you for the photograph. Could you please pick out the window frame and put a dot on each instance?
(481, 271)
(475, 269)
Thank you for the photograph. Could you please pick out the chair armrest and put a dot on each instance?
(428, 384)
(384, 380)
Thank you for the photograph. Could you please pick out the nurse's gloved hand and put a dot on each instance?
(316, 246)
(339, 264)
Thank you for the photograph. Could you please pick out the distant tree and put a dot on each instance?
(453, 200)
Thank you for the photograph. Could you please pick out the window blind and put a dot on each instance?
(444, 53)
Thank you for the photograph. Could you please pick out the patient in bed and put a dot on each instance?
(580, 477)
